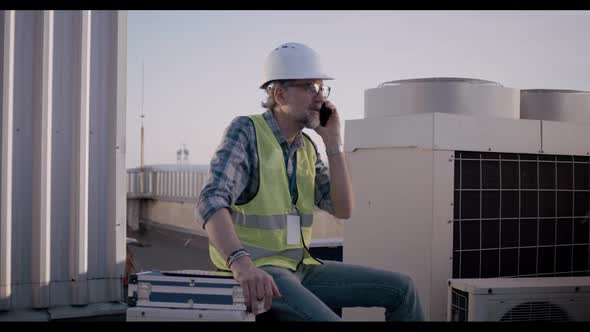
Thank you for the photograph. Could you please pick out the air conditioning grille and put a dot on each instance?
(536, 311)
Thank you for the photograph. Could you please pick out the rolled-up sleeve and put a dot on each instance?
(228, 171)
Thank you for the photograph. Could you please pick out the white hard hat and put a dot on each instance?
(292, 61)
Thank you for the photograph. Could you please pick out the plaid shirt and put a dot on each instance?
(233, 172)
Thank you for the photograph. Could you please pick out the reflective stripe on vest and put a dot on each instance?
(261, 223)
(268, 222)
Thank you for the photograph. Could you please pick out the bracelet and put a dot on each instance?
(234, 255)
(334, 150)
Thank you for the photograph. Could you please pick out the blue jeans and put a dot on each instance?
(310, 292)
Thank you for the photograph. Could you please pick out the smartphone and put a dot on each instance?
(324, 115)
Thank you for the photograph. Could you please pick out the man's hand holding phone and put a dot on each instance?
(329, 128)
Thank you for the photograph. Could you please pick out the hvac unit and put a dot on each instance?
(451, 182)
(519, 299)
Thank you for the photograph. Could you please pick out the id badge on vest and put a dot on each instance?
(293, 228)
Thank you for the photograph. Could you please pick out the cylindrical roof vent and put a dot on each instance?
(442, 95)
(555, 105)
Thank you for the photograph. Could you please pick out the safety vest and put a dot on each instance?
(261, 223)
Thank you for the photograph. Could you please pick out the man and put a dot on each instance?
(257, 207)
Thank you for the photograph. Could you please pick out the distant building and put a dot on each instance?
(180, 153)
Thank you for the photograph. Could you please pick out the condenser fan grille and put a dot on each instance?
(536, 311)
(459, 306)
(521, 215)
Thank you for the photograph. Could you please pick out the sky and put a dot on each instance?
(201, 69)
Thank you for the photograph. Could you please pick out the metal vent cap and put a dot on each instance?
(456, 95)
(441, 80)
(555, 105)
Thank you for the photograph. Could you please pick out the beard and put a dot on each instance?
(311, 120)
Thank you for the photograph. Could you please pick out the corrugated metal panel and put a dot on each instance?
(63, 148)
(41, 147)
(106, 248)
(25, 74)
(6, 128)
(63, 114)
(70, 171)
(120, 197)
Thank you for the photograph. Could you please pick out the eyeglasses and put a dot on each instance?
(312, 88)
